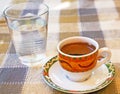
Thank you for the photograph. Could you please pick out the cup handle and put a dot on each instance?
(104, 55)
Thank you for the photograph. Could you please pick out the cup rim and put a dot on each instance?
(35, 16)
(77, 37)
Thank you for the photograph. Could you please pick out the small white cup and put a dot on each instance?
(72, 65)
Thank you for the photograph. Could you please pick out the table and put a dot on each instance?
(98, 19)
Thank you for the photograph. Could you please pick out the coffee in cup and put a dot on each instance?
(80, 56)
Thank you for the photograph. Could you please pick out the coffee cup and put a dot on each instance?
(79, 56)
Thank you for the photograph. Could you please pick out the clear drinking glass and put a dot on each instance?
(27, 24)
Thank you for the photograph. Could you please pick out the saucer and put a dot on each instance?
(56, 79)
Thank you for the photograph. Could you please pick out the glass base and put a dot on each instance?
(32, 62)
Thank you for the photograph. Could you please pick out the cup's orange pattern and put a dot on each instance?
(78, 64)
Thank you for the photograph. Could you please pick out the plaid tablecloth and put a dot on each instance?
(98, 19)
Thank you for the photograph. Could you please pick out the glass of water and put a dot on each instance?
(27, 24)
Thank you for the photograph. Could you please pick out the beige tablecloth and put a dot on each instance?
(97, 19)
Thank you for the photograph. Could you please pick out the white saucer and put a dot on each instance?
(55, 78)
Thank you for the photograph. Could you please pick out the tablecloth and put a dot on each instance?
(97, 19)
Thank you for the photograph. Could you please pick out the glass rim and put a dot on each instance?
(27, 17)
